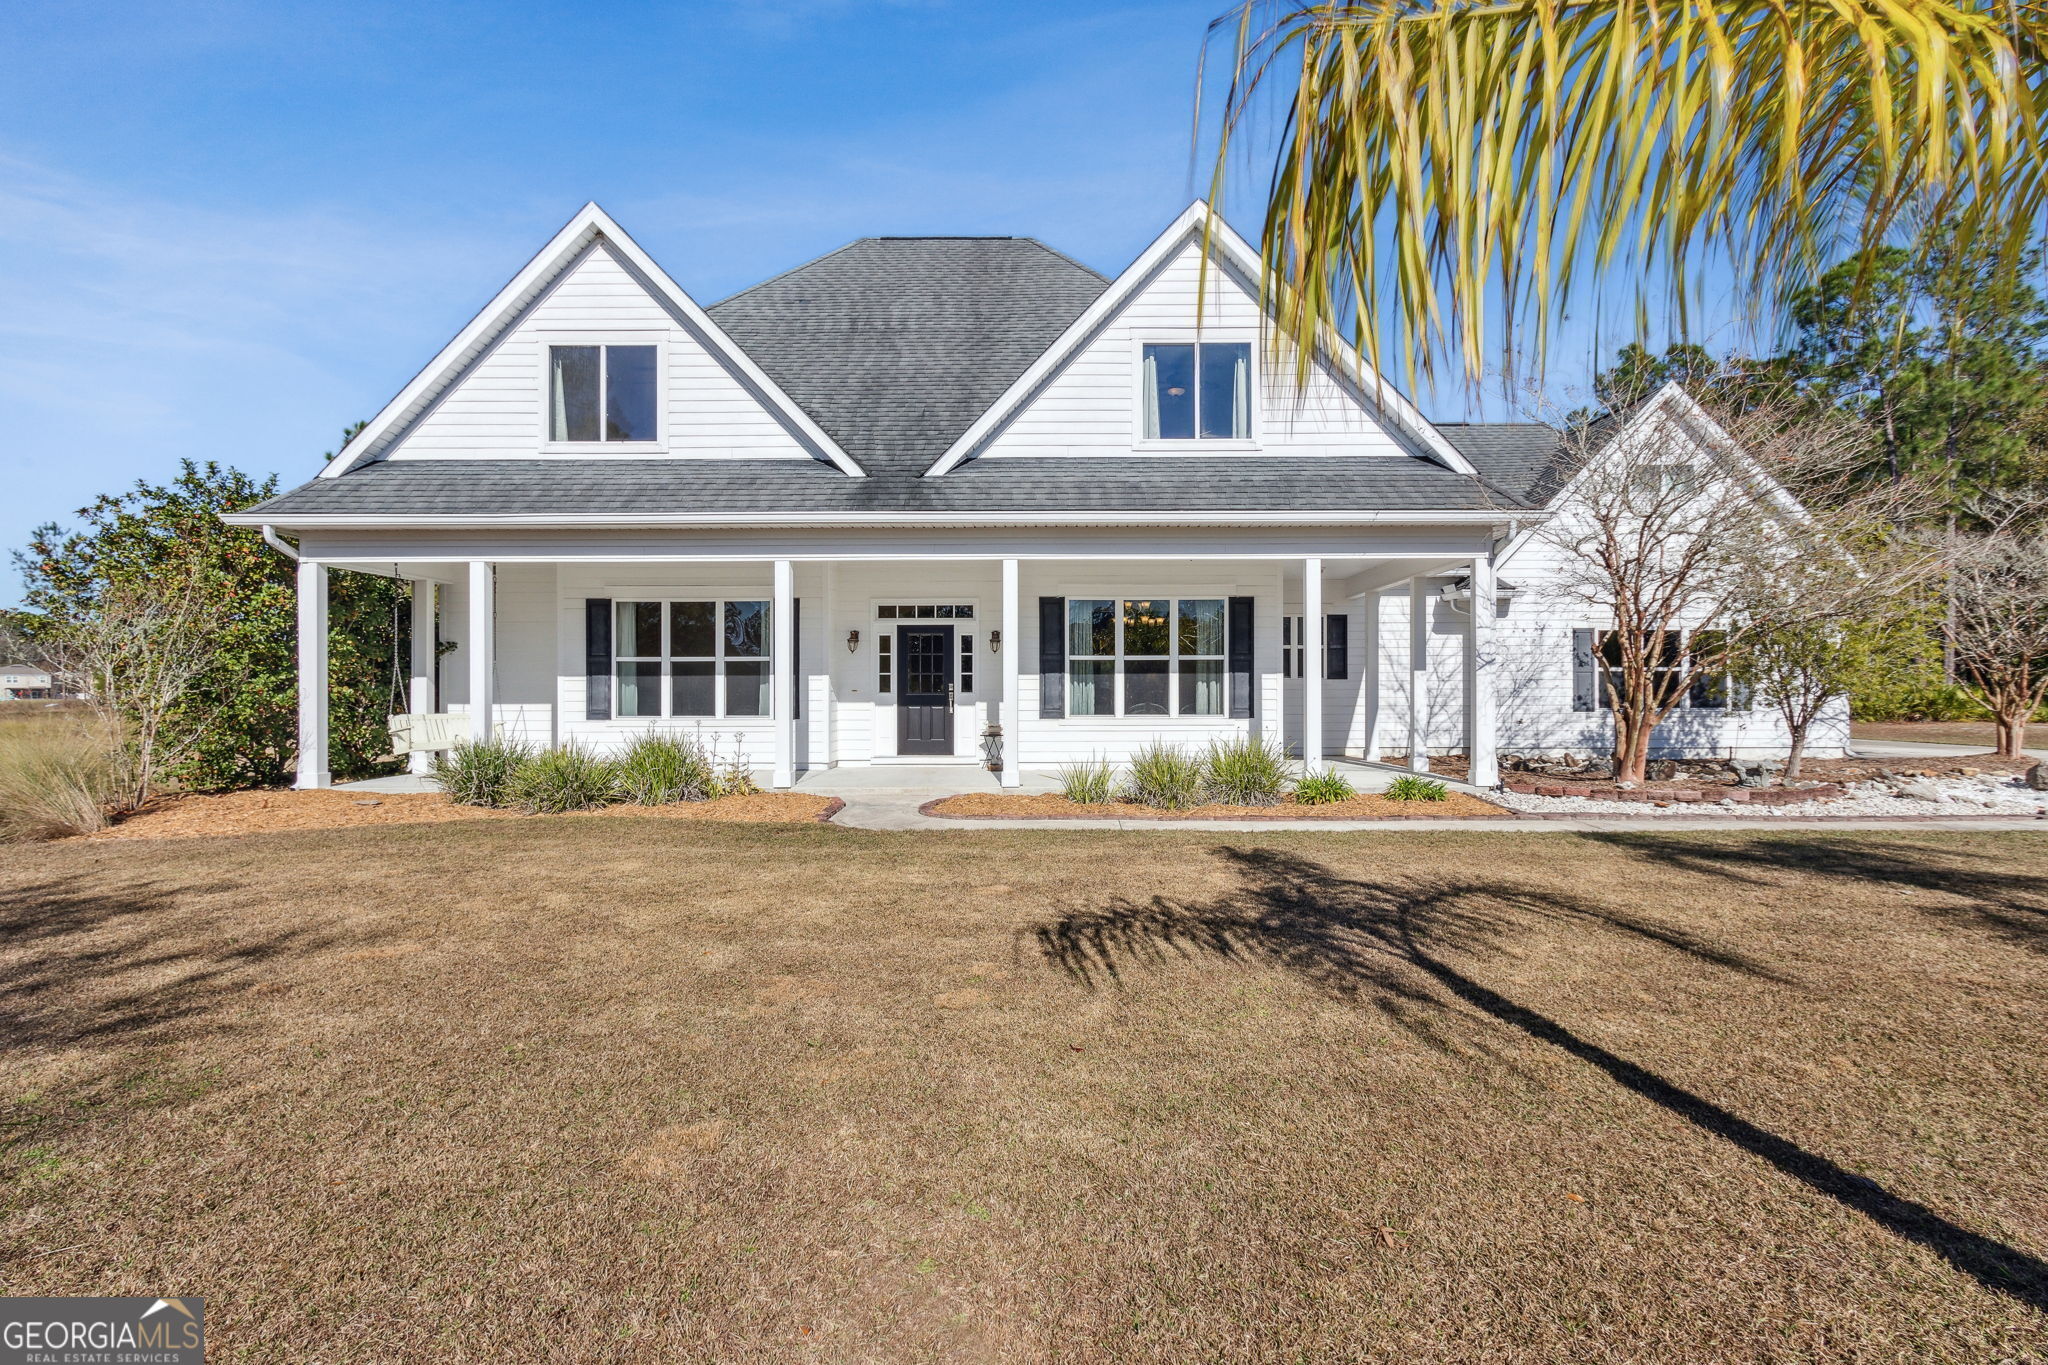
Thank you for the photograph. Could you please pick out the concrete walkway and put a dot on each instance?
(1913, 748)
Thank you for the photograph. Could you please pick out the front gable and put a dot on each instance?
(486, 397)
(1086, 396)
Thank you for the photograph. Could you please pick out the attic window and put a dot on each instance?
(1198, 391)
(601, 393)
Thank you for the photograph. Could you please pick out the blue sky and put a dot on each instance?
(229, 229)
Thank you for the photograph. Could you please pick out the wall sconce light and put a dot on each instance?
(852, 641)
(995, 642)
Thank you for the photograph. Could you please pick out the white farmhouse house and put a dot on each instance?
(948, 499)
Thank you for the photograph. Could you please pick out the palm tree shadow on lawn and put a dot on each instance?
(1379, 943)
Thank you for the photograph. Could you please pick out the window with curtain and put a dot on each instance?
(1197, 391)
(1145, 656)
(601, 393)
(712, 656)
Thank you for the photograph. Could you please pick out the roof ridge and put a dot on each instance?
(1056, 253)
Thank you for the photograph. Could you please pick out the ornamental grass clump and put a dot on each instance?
(1248, 771)
(659, 770)
(479, 773)
(1416, 789)
(1090, 782)
(1165, 777)
(1324, 789)
(558, 781)
(55, 779)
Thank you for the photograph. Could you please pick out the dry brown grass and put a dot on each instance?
(1942, 732)
(645, 1090)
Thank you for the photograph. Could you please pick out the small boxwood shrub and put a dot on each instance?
(1090, 782)
(1165, 777)
(1324, 789)
(1412, 788)
(477, 774)
(1248, 771)
(557, 781)
(658, 770)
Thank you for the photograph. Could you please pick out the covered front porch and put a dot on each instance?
(806, 663)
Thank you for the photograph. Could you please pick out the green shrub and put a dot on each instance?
(1248, 771)
(55, 779)
(1912, 700)
(1412, 788)
(1090, 782)
(1165, 776)
(658, 770)
(1325, 789)
(478, 774)
(557, 781)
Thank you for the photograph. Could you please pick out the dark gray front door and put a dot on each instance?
(924, 689)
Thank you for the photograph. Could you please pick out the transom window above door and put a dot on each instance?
(602, 393)
(1192, 391)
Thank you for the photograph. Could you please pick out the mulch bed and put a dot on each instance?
(265, 812)
(999, 806)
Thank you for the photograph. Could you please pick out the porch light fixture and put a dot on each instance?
(995, 642)
(852, 641)
(1458, 593)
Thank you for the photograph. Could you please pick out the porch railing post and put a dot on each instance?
(1418, 674)
(420, 694)
(312, 604)
(781, 676)
(1480, 702)
(483, 652)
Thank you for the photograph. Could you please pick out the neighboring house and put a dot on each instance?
(935, 499)
(26, 682)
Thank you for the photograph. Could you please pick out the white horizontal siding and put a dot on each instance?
(1090, 405)
(497, 408)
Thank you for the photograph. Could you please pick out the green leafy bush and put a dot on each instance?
(1165, 777)
(657, 770)
(1248, 771)
(480, 774)
(1325, 789)
(1090, 782)
(56, 778)
(1412, 788)
(558, 781)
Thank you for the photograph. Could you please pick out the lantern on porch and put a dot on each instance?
(992, 748)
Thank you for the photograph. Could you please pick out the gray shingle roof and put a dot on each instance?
(894, 345)
(1525, 460)
(572, 488)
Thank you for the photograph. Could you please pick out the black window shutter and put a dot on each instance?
(1239, 647)
(1337, 645)
(1052, 657)
(597, 658)
(1585, 673)
(796, 658)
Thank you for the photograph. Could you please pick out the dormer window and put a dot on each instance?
(601, 393)
(1197, 390)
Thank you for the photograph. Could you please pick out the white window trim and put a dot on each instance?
(1173, 657)
(668, 596)
(602, 448)
(1197, 444)
(964, 627)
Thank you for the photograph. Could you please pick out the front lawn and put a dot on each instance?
(635, 1089)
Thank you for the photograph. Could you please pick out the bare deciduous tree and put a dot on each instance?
(134, 657)
(1997, 626)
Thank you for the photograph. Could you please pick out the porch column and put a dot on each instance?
(483, 651)
(1480, 669)
(1013, 646)
(782, 626)
(1370, 678)
(421, 694)
(1312, 668)
(1418, 674)
(312, 765)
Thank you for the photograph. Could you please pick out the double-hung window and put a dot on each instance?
(1145, 656)
(1197, 391)
(700, 658)
(602, 393)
